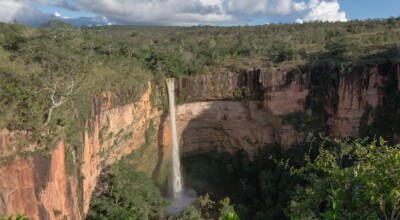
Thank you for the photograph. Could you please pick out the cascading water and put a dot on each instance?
(176, 178)
(180, 197)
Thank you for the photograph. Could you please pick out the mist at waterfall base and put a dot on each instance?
(180, 197)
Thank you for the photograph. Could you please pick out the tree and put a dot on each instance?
(206, 204)
(190, 213)
(226, 211)
(355, 180)
(65, 92)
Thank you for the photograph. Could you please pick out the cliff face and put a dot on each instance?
(355, 94)
(39, 187)
(230, 126)
(115, 132)
(232, 111)
(250, 109)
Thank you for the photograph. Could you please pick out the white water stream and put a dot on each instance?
(180, 197)
(176, 178)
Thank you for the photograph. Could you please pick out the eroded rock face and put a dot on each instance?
(285, 91)
(115, 132)
(357, 92)
(230, 126)
(39, 187)
(282, 91)
(249, 117)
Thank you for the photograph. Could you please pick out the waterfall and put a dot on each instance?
(176, 178)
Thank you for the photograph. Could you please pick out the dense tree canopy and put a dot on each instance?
(353, 180)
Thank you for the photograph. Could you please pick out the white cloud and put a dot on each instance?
(246, 7)
(159, 11)
(265, 7)
(59, 3)
(175, 12)
(282, 7)
(299, 6)
(323, 10)
(8, 10)
(22, 12)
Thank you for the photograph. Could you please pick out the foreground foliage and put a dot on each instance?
(126, 194)
(207, 209)
(17, 217)
(354, 180)
(329, 179)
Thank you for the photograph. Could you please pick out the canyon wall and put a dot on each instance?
(253, 108)
(230, 126)
(39, 186)
(232, 111)
(355, 94)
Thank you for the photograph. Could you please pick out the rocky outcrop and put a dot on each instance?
(39, 187)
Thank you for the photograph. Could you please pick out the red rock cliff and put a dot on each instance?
(39, 187)
(244, 110)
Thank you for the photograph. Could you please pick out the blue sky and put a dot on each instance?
(64, 12)
(194, 12)
(364, 9)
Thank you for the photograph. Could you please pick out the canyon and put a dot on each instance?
(228, 111)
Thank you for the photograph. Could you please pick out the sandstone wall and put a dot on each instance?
(39, 187)
(230, 126)
(283, 91)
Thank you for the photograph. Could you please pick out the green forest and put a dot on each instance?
(49, 76)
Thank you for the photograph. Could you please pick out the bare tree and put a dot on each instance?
(67, 90)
